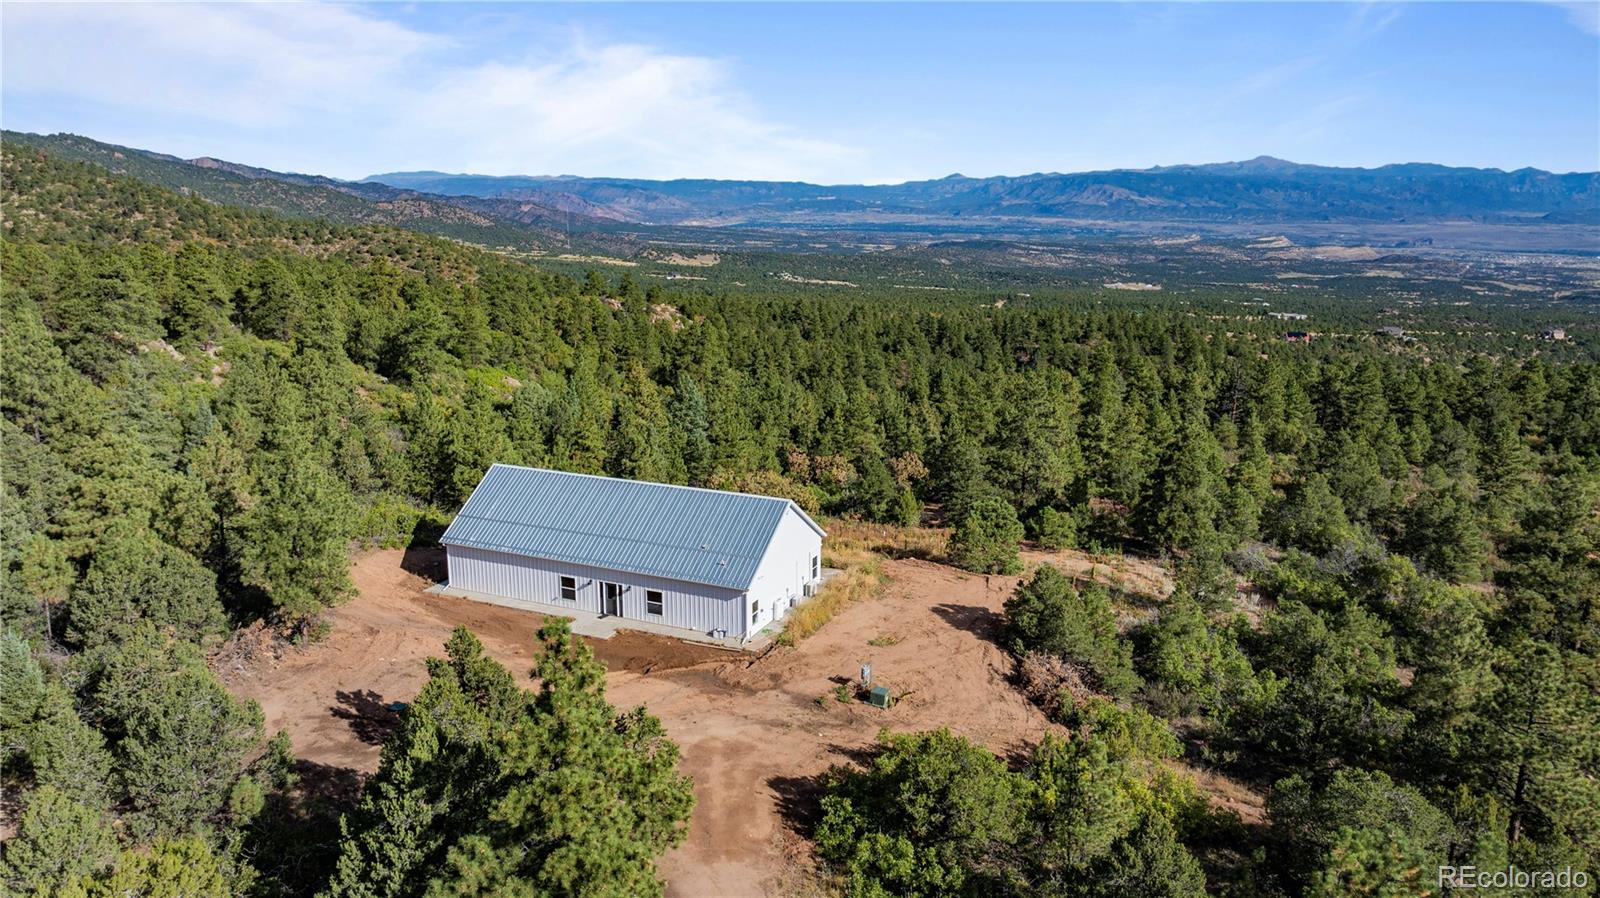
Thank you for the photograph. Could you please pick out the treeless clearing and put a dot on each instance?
(753, 732)
(1128, 573)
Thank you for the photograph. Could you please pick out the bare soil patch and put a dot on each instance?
(755, 731)
(1128, 573)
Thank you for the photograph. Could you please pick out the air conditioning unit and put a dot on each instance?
(810, 589)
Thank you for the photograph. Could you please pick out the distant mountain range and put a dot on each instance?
(1259, 190)
(620, 216)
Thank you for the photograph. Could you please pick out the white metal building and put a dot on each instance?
(716, 563)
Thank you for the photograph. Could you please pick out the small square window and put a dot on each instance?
(652, 601)
(569, 589)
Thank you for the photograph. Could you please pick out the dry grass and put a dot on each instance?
(861, 579)
(928, 543)
(1226, 793)
(857, 551)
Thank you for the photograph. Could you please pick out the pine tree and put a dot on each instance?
(634, 805)
(294, 540)
(271, 303)
(1250, 484)
(136, 577)
(470, 338)
(490, 790)
(1535, 741)
(959, 475)
(929, 817)
(1395, 828)
(641, 433)
(57, 842)
(1196, 666)
(1186, 503)
(230, 485)
(1329, 691)
(1081, 805)
(1552, 575)
(45, 573)
(1047, 614)
(1442, 532)
(688, 411)
(1102, 432)
(41, 734)
(1149, 863)
(200, 302)
(416, 350)
(987, 536)
(1374, 863)
(175, 868)
(433, 779)
(1055, 530)
(526, 421)
(1037, 457)
(1446, 642)
(179, 739)
(477, 439)
(579, 419)
(1312, 517)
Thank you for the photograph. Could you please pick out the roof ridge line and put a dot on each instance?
(674, 486)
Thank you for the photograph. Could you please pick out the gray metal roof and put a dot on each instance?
(678, 532)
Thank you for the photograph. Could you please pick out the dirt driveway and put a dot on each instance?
(753, 733)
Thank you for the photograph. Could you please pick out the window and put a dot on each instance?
(569, 589)
(816, 566)
(652, 601)
(755, 610)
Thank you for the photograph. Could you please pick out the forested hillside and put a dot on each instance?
(308, 195)
(205, 408)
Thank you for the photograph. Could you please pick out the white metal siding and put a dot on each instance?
(785, 568)
(537, 581)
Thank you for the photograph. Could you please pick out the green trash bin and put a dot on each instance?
(878, 697)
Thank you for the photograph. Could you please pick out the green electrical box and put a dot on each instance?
(878, 697)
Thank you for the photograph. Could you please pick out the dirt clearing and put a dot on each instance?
(755, 731)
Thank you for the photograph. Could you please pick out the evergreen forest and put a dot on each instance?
(207, 408)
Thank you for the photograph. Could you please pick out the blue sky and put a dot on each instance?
(829, 93)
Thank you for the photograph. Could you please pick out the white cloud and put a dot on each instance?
(1583, 14)
(1371, 17)
(383, 95)
(241, 64)
(616, 108)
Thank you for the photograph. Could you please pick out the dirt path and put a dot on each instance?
(753, 733)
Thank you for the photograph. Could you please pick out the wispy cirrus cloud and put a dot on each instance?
(400, 97)
(1583, 14)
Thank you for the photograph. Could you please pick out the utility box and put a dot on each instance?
(878, 697)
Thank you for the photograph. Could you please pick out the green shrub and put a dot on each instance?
(986, 537)
(1055, 530)
(1047, 615)
(392, 522)
(908, 509)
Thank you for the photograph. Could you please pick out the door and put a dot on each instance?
(611, 599)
